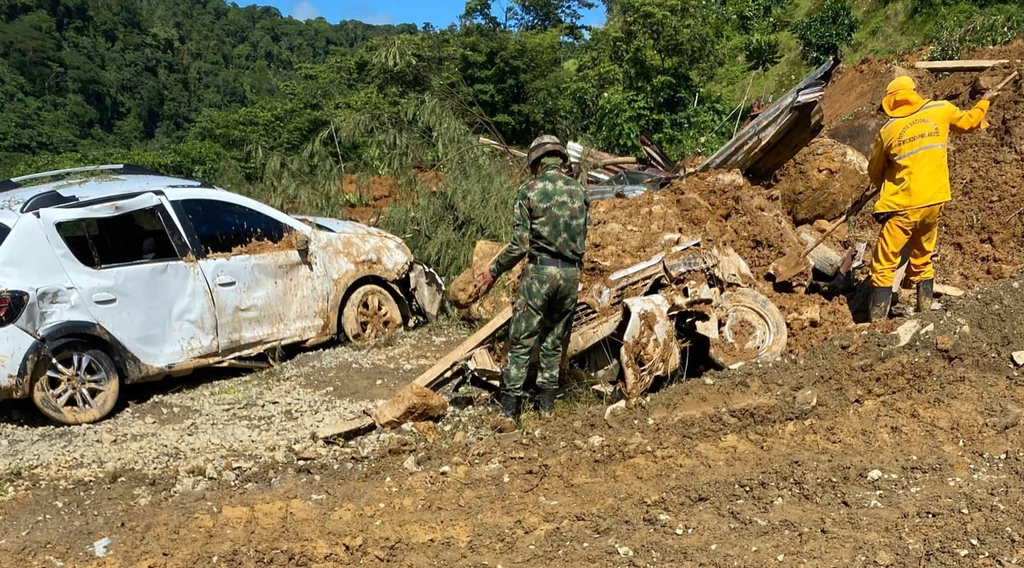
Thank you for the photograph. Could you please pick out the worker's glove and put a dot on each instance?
(882, 218)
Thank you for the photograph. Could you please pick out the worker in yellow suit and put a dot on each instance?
(910, 166)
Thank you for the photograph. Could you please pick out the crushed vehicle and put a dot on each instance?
(116, 274)
(630, 329)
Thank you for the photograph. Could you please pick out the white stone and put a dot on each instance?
(874, 475)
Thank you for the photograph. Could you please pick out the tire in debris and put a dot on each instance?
(751, 329)
(370, 314)
(77, 385)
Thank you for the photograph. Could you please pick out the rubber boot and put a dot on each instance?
(925, 295)
(878, 308)
(546, 402)
(510, 406)
(509, 419)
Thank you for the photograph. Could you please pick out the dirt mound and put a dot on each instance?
(721, 208)
(463, 292)
(821, 181)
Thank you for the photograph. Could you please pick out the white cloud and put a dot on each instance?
(368, 14)
(304, 11)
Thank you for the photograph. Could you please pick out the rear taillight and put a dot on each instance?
(12, 305)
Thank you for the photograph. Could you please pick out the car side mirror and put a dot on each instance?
(302, 244)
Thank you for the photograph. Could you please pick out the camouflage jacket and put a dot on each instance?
(551, 217)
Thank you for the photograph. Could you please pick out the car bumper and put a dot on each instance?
(17, 350)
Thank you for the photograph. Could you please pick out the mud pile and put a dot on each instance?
(980, 240)
(721, 208)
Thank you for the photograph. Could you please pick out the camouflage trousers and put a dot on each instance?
(545, 303)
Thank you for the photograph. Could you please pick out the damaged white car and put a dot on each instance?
(115, 274)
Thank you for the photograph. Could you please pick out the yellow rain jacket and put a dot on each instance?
(909, 162)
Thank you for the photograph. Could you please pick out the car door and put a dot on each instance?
(265, 289)
(127, 262)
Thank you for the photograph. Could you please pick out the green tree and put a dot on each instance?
(825, 32)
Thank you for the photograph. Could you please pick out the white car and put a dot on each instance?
(116, 274)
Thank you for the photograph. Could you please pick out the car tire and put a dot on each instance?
(370, 314)
(751, 329)
(77, 385)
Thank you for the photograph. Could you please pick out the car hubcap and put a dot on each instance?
(77, 381)
(377, 317)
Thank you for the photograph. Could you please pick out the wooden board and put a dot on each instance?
(440, 369)
(963, 65)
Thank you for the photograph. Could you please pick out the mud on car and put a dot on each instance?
(112, 275)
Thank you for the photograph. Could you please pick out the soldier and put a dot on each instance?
(550, 229)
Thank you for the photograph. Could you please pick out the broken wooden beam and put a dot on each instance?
(346, 429)
(959, 65)
(444, 367)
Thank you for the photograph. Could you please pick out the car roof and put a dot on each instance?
(83, 184)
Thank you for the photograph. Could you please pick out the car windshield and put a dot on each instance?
(4, 231)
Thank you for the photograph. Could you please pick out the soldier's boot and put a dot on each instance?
(509, 419)
(925, 295)
(546, 402)
(878, 307)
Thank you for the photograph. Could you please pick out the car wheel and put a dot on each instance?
(370, 314)
(750, 329)
(79, 385)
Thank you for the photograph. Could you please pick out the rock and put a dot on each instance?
(211, 472)
(427, 429)
(459, 439)
(445, 470)
(944, 343)
(595, 441)
(613, 413)
(410, 464)
(1008, 418)
(411, 404)
(884, 558)
(906, 332)
(106, 438)
(1018, 358)
(229, 476)
(150, 420)
(821, 181)
(929, 329)
(670, 240)
(874, 475)
(806, 399)
(624, 551)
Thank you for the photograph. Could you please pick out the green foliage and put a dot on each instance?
(761, 52)
(825, 32)
(967, 26)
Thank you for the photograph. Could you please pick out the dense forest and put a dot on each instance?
(283, 109)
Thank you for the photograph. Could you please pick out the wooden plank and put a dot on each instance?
(440, 369)
(959, 65)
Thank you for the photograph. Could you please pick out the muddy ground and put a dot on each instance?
(857, 453)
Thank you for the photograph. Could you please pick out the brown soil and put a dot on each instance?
(721, 208)
(767, 466)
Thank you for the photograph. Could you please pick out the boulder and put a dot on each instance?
(411, 404)
(821, 181)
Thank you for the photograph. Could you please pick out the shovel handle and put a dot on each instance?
(1006, 81)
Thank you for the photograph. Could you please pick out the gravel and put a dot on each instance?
(209, 428)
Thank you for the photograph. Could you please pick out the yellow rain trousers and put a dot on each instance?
(918, 228)
(910, 165)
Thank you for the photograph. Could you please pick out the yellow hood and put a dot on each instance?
(901, 98)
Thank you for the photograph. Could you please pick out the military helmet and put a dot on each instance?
(545, 145)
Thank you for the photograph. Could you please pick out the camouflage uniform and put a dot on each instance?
(551, 217)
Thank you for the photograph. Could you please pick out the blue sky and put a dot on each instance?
(438, 12)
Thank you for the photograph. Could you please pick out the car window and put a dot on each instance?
(4, 231)
(130, 238)
(226, 228)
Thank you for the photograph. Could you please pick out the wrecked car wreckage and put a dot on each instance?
(116, 274)
(630, 329)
